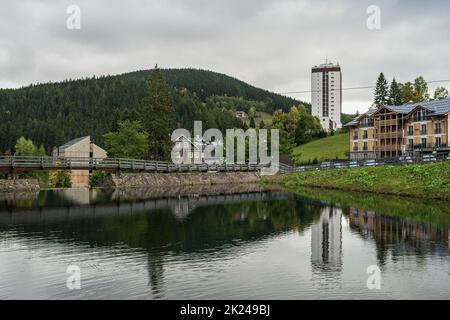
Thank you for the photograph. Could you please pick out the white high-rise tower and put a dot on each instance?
(326, 95)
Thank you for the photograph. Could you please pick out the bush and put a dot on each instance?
(60, 179)
(96, 179)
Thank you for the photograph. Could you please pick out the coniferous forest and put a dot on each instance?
(53, 113)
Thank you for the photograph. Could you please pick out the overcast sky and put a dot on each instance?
(270, 44)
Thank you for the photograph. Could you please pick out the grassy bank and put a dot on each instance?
(430, 181)
(329, 148)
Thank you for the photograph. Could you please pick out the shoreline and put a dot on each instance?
(421, 181)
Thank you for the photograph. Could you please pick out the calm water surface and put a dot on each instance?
(255, 245)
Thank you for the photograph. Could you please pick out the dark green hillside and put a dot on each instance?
(207, 83)
(53, 113)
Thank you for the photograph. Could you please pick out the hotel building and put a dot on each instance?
(326, 95)
(393, 131)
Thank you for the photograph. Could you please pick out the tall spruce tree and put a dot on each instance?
(159, 118)
(381, 91)
(395, 96)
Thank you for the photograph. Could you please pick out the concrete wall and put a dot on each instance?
(138, 180)
(19, 185)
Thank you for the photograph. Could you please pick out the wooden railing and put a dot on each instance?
(26, 164)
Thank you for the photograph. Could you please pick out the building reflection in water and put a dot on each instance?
(326, 245)
(399, 236)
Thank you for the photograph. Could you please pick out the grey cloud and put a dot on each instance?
(271, 44)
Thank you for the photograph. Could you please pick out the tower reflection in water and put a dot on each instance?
(326, 246)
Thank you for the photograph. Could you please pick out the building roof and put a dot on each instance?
(435, 108)
(72, 142)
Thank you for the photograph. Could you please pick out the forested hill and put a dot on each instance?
(208, 83)
(53, 113)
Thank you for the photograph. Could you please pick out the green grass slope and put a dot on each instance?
(329, 148)
(431, 181)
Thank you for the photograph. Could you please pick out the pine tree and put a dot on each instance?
(395, 97)
(159, 118)
(262, 125)
(252, 122)
(381, 91)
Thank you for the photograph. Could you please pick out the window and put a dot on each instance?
(423, 129)
(355, 146)
(437, 128)
(411, 143)
(410, 130)
(424, 141)
(365, 135)
(437, 142)
(365, 147)
(355, 134)
(419, 116)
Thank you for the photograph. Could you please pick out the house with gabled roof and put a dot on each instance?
(81, 147)
(393, 131)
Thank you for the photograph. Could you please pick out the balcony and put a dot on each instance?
(423, 132)
(428, 146)
(388, 147)
(437, 131)
(384, 123)
(392, 134)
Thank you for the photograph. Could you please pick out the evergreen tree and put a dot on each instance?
(381, 91)
(252, 123)
(262, 125)
(395, 97)
(159, 118)
(421, 90)
(440, 93)
(407, 92)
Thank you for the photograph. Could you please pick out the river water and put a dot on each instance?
(252, 244)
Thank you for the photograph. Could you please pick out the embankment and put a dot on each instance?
(19, 185)
(162, 180)
(428, 181)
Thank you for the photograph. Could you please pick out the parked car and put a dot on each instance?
(340, 165)
(429, 158)
(300, 169)
(448, 157)
(370, 163)
(353, 164)
(406, 159)
(325, 165)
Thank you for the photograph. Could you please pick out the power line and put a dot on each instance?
(350, 88)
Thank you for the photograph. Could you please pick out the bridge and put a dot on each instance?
(21, 164)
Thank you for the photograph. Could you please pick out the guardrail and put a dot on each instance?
(425, 158)
(26, 164)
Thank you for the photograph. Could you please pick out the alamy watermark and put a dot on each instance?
(374, 280)
(73, 281)
(374, 20)
(73, 22)
(208, 147)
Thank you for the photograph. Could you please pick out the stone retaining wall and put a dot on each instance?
(142, 180)
(19, 185)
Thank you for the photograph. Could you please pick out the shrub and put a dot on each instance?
(96, 179)
(60, 179)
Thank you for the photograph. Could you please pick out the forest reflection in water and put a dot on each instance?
(209, 243)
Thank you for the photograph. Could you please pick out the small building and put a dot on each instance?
(241, 115)
(196, 150)
(79, 148)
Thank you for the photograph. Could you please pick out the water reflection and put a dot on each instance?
(326, 245)
(399, 236)
(216, 243)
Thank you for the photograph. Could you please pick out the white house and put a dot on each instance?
(79, 148)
